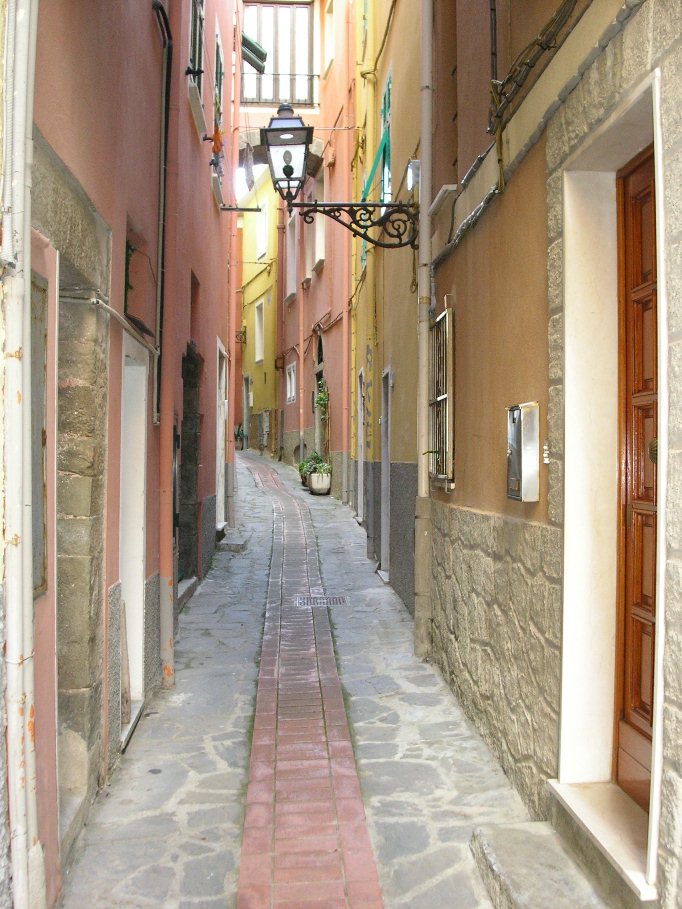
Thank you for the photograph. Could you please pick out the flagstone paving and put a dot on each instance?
(215, 806)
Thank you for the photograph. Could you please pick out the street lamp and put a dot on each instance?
(287, 141)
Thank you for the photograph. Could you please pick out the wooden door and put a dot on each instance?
(638, 358)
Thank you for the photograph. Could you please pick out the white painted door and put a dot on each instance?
(221, 424)
(132, 517)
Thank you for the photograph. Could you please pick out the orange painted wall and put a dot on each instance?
(501, 338)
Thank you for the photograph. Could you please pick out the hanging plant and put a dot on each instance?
(322, 397)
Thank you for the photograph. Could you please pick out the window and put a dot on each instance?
(284, 29)
(441, 399)
(218, 87)
(314, 231)
(328, 34)
(258, 334)
(385, 146)
(262, 230)
(291, 383)
(290, 285)
(318, 258)
(309, 241)
(196, 42)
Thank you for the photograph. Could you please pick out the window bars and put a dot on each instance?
(441, 399)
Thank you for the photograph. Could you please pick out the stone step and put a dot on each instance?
(528, 866)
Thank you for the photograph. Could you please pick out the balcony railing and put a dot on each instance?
(272, 89)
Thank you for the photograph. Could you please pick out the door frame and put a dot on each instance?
(222, 407)
(132, 529)
(386, 385)
(590, 486)
(360, 447)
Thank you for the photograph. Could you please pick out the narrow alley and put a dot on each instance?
(240, 785)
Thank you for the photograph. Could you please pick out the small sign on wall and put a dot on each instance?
(523, 452)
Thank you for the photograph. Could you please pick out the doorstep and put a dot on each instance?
(603, 823)
(528, 866)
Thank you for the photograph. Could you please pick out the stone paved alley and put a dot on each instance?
(212, 806)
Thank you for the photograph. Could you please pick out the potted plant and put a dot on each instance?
(239, 437)
(320, 479)
(308, 466)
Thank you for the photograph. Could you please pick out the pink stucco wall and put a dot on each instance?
(98, 106)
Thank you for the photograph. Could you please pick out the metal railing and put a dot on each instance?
(272, 89)
(441, 399)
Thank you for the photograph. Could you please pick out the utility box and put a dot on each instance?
(523, 452)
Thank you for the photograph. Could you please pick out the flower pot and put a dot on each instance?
(319, 483)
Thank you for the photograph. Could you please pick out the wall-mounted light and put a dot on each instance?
(287, 141)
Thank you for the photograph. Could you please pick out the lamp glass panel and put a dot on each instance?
(297, 152)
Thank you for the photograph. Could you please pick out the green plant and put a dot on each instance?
(324, 467)
(238, 431)
(322, 396)
(310, 464)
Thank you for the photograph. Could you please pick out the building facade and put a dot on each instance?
(259, 269)
(384, 340)
(120, 269)
(554, 606)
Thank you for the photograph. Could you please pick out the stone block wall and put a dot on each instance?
(152, 633)
(290, 445)
(5, 870)
(403, 496)
(208, 513)
(114, 676)
(81, 451)
(496, 594)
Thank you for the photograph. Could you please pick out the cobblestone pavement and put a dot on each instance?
(167, 829)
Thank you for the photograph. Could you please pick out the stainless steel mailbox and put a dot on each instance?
(523, 452)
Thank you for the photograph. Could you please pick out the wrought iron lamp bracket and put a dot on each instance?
(397, 220)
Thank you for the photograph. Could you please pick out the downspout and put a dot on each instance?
(281, 378)
(301, 295)
(28, 871)
(345, 341)
(234, 273)
(166, 70)
(422, 572)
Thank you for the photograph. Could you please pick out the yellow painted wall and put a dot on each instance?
(259, 275)
(384, 305)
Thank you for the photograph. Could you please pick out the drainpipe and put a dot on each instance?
(422, 565)
(301, 295)
(166, 70)
(28, 870)
(345, 341)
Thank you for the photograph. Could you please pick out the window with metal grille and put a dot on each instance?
(441, 399)
(196, 43)
(284, 29)
(218, 87)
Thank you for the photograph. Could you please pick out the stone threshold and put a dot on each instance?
(528, 866)
(186, 589)
(129, 728)
(615, 825)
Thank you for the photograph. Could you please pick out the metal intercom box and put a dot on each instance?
(523, 452)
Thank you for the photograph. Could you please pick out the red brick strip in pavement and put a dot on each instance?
(306, 843)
